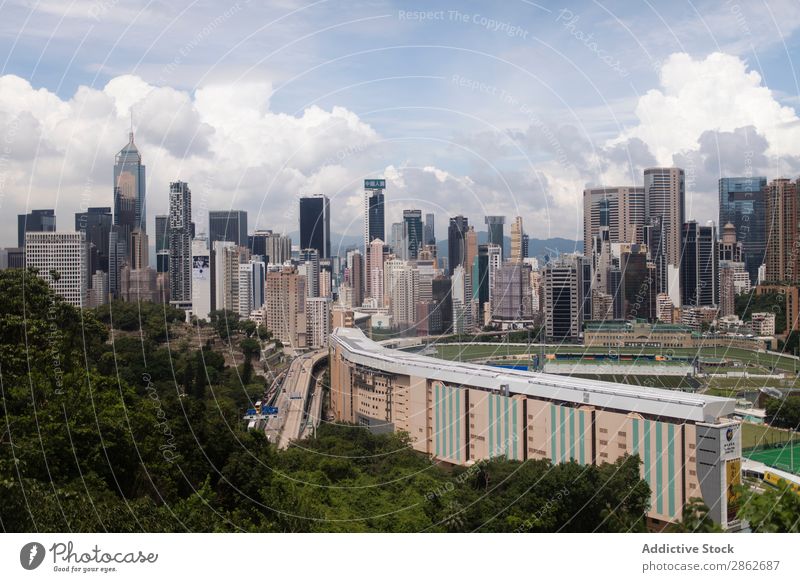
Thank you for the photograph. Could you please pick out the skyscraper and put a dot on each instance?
(35, 221)
(563, 286)
(456, 248)
(494, 225)
(62, 260)
(96, 223)
(129, 192)
(621, 209)
(699, 266)
(783, 215)
(412, 232)
(310, 261)
(162, 232)
(511, 293)
(355, 267)
(285, 307)
(374, 223)
(516, 254)
(227, 225)
(180, 243)
(315, 224)
(742, 202)
(664, 193)
(397, 240)
(201, 278)
(375, 275)
(429, 231)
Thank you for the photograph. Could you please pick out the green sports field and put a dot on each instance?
(786, 457)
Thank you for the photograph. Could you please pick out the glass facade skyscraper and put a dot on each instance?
(742, 203)
(129, 192)
(227, 225)
(35, 221)
(412, 232)
(315, 224)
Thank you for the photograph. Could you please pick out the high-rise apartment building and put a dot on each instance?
(180, 243)
(461, 300)
(309, 260)
(620, 209)
(251, 287)
(62, 260)
(285, 307)
(315, 224)
(783, 232)
(516, 255)
(43, 220)
(375, 275)
(227, 225)
(226, 260)
(318, 311)
(664, 193)
(401, 283)
(511, 294)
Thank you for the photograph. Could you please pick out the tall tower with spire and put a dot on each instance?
(129, 191)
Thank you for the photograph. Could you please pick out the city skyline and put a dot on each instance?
(253, 138)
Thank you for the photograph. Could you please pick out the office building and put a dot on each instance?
(12, 258)
(517, 252)
(742, 203)
(494, 226)
(180, 243)
(638, 283)
(619, 209)
(96, 223)
(139, 250)
(162, 232)
(441, 296)
(782, 217)
(285, 307)
(397, 241)
(429, 230)
(456, 247)
(138, 285)
(315, 224)
(563, 286)
(526, 250)
(374, 223)
(463, 413)
(699, 273)
(412, 233)
(35, 221)
(227, 225)
(62, 260)
(129, 194)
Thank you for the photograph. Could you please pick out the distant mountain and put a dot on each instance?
(538, 248)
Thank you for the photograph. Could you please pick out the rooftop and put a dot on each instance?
(651, 401)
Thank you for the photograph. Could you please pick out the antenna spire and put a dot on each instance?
(130, 135)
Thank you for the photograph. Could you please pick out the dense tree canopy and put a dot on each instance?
(145, 435)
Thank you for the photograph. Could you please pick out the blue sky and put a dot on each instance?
(466, 107)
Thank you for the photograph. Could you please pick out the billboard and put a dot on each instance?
(374, 184)
(201, 270)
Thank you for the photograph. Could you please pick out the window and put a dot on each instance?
(622, 433)
(602, 442)
(603, 430)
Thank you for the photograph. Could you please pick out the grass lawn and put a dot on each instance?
(754, 435)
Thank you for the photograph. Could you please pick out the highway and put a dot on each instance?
(293, 400)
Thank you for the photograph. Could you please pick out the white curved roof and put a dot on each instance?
(611, 395)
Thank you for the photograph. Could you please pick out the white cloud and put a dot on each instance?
(717, 93)
(223, 140)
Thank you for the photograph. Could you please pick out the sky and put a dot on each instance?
(465, 107)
